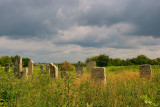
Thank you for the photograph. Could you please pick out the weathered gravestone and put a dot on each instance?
(42, 68)
(53, 70)
(30, 67)
(7, 67)
(24, 74)
(99, 74)
(79, 69)
(145, 70)
(90, 65)
(18, 65)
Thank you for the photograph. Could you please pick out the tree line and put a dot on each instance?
(101, 60)
(6, 59)
(105, 60)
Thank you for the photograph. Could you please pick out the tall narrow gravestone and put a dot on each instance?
(90, 65)
(30, 67)
(18, 65)
(99, 74)
(79, 69)
(145, 70)
(7, 67)
(53, 70)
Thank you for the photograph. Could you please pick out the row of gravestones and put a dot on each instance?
(53, 70)
(78, 68)
(98, 74)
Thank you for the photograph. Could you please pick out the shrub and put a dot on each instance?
(66, 66)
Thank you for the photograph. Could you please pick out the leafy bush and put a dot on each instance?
(66, 66)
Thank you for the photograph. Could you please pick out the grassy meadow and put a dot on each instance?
(124, 88)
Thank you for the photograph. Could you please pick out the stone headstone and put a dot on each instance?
(99, 74)
(145, 70)
(53, 70)
(7, 67)
(90, 65)
(30, 67)
(24, 74)
(18, 65)
(79, 69)
(42, 68)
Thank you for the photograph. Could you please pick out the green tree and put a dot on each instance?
(158, 60)
(102, 60)
(25, 61)
(142, 59)
(94, 58)
(128, 61)
(79, 63)
(117, 61)
(4, 60)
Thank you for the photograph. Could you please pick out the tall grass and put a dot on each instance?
(123, 89)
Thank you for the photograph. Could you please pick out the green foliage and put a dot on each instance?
(4, 60)
(102, 60)
(140, 59)
(7, 59)
(25, 61)
(79, 63)
(91, 59)
(115, 62)
(66, 66)
(122, 89)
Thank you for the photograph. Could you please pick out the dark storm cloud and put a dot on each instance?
(44, 18)
(144, 14)
(27, 18)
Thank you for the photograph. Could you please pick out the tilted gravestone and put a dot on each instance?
(7, 67)
(79, 69)
(30, 67)
(42, 68)
(145, 70)
(53, 70)
(18, 65)
(90, 65)
(24, 74)
(98, 74)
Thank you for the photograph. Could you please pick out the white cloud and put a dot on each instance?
(59, 30)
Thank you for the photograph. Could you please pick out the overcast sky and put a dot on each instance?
(73, 30)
